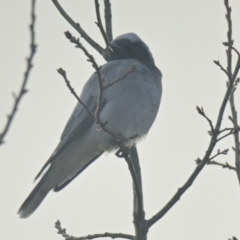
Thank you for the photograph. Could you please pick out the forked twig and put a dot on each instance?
(64, 75)
(201, 112)
(77, 27)
(221, 67)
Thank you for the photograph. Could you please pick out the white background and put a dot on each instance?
(184, 37)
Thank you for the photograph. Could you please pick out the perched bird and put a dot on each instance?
(129, 107)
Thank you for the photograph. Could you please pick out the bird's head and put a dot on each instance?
(130, 46)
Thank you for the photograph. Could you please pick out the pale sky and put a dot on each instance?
(184, 38)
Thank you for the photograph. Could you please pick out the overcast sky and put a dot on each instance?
(184, 37)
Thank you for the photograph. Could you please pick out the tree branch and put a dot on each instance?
(211, 146)
(138, 212)
(221, 67)
(233, 131)
(224, 152)
(132, 160)
(64, 75)
(64, 234)
(226, 165)
(201, 112)
(23, 89)
(233, 77)
(132, 69)
(78, 28)
(99, 24)
(108, 19)
(107, 235)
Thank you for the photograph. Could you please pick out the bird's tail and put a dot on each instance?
(35, 198)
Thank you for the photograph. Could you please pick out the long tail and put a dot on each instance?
(35, 198)
(52, 180)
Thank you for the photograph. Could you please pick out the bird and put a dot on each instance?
(129, 108)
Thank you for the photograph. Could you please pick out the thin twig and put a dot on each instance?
(107, 235)
(232, 79)
(90, 58)
(230, 40)
(226, 165)
(232, 131)
(219, 152)
(23, 90)
(64, 75)
(226, 129)
(108, 19)
(201, 112)
(77, 27)
(221, 67)
(235, 50)
(100, 25)
(132, 69)
(64, 234)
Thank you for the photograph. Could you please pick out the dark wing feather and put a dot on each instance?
(60, 187)
(78, 123)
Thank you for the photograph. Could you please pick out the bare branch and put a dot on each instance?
(201, 112)
(90, 58)
(226, 129)
(230, 40)
(107, 235)
(132, 69)
(108, 19)
(138, 212)
(221, 67)
(99, 24)
(77, 27)
(64, 75)
(124, 152)
(219, 152)
(232, 78)
(226, 165)
(231, 131)
(130, 155)
(23, 90)
(62, 231)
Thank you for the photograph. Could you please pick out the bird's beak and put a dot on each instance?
(115, 48)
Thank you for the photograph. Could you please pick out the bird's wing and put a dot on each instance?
(58, 188)
(79, 121)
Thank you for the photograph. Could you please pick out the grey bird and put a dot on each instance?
(129, 107)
